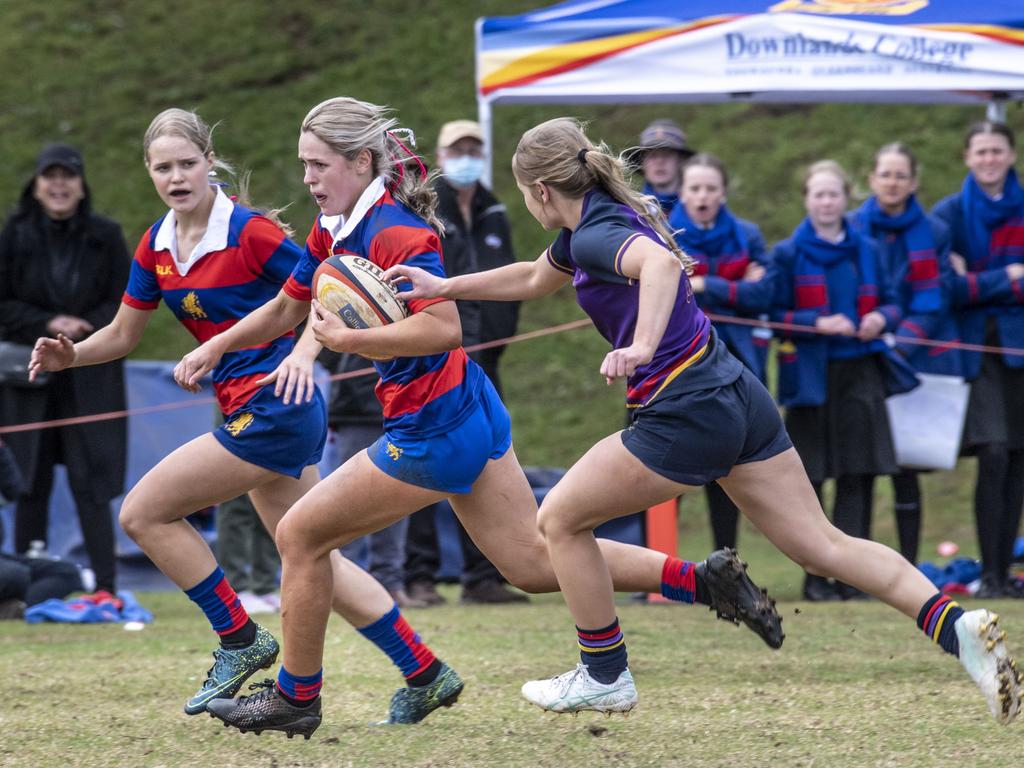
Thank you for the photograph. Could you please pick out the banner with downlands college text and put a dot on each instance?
(716, 50)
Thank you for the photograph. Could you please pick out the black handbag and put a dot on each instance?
(14, 360)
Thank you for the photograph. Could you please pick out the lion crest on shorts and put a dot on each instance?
(394, 452)
(239, 424)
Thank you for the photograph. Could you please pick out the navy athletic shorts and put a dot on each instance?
(281, 438)
(699, 436)
(451, 461)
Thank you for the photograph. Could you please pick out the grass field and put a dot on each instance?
(854, 685)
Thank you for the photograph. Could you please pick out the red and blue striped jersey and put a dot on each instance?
(421, 396)
(239, 265)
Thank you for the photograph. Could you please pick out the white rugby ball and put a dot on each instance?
(353, 288)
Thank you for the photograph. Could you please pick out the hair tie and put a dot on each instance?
(582, 155)
(400, 162)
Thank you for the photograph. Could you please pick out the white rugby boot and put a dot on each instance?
(983, 654)
(577, 691)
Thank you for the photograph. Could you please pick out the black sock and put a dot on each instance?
(701, 593)
(240, 638)
(296, 702)
(426, 677)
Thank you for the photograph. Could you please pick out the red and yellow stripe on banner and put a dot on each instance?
(1002, 34)
(565, 58)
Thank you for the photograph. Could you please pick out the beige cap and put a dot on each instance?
(459, 129)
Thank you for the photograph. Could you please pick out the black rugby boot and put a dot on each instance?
(735, 598)
(266, 710)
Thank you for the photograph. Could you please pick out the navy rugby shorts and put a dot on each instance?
(451, 461)
(697, 437)
(281, 438)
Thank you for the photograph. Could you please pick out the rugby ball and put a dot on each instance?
(351, 287)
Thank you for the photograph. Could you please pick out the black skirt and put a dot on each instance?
(995, 409)
(849, 434)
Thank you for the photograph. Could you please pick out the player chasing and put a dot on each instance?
(699, 417)
(446, 435)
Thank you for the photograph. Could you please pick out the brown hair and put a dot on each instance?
(990, 127)
(559, 154)
(349, 126)
(190, 126)
(707, 160)
(897, 148)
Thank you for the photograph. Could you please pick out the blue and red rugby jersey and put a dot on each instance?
(421, 396)
(239, 265)
(592, 254)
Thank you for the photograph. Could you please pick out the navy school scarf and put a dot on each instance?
(666, 199)
(995, 228)
(814, 256)
(721, 250)
(915, 233)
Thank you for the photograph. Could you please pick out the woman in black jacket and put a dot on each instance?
(62, 270)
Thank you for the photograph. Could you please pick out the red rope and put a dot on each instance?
(571, 326)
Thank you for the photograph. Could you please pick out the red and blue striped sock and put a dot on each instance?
(393, 635)
(603, 651)
(298, 690)
(937, 619)
(680, 582)
(224, 610)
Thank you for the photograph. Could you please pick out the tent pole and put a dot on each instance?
(483, 109)
(996, 110)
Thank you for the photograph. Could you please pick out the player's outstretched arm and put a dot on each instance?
(294, 376)
(112, 342)
(513, 282)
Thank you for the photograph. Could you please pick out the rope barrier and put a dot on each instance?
(571, 326)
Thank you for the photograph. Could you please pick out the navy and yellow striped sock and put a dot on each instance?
(937, 619)
(603, 651)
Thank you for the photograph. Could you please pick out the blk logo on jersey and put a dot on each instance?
(239, 424)
(190, 306)
(163, 270)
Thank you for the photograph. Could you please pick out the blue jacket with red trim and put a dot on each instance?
(982, 294)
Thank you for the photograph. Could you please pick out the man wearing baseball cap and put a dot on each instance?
(661, 153)
(477, 236)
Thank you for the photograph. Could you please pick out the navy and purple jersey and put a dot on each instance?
(420, 396)
(240, 264)
(592, 254)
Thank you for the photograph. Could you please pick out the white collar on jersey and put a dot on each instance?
(339, 226)
(214, 239)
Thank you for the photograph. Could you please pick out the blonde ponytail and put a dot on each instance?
(559, 154)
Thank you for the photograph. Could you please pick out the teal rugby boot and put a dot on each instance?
(231, 668)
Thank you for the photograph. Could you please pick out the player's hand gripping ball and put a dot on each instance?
(351, 287)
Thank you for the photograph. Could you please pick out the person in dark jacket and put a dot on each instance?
(62, 270)
(355, 420)
(472, 213)
(915, 251)
(476, 236)
(661, 154)
(833, 381)
(986, 219)
(729, 278)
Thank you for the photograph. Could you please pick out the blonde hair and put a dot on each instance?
(832, 167)
(349, 126)
(192, 128)
(559, 154)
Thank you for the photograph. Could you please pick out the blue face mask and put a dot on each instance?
(464, 171)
